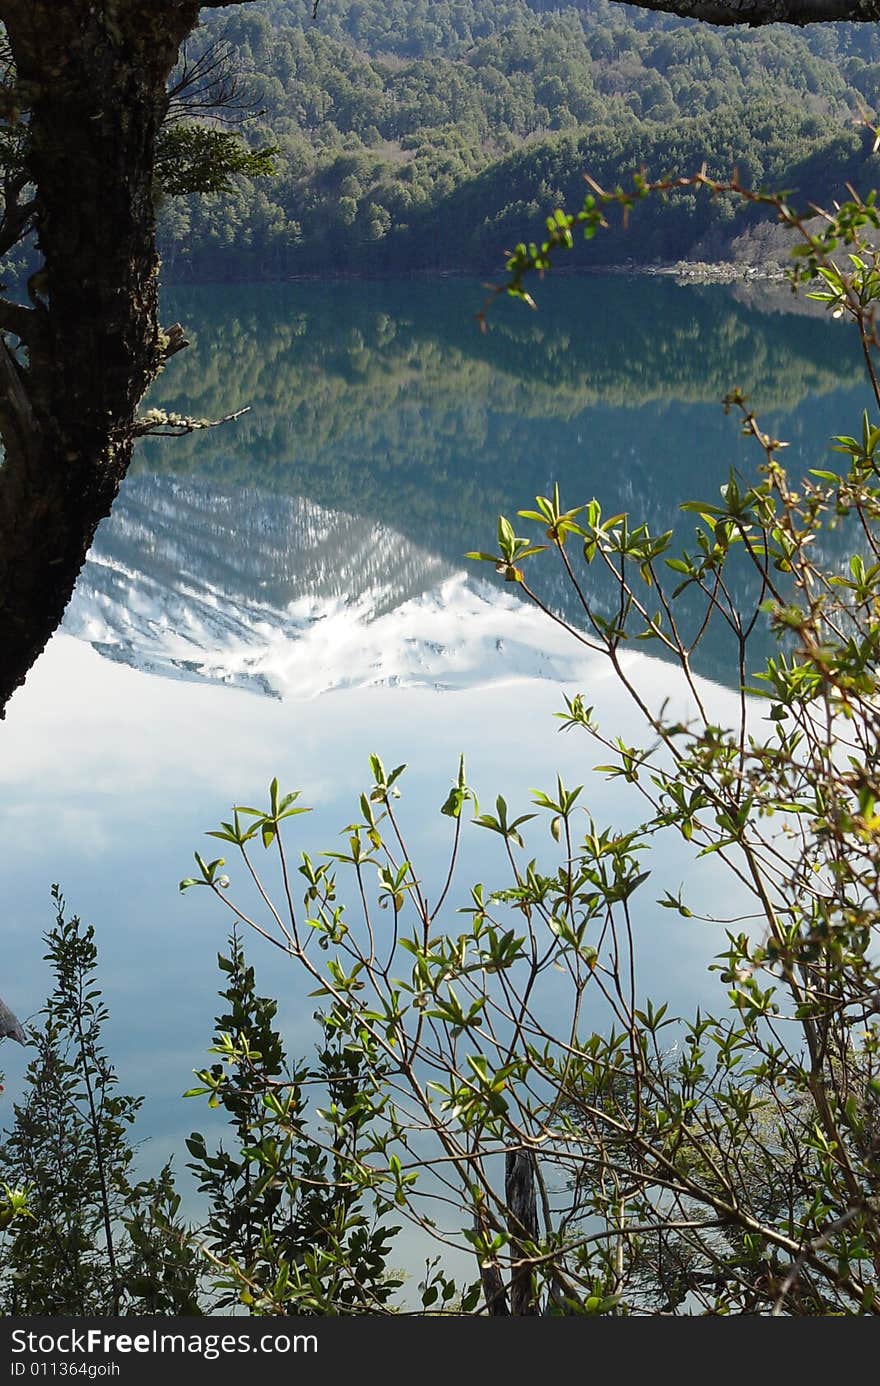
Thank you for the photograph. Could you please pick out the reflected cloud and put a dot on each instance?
(110, 777)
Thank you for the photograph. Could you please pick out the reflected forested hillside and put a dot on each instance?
(384, 403)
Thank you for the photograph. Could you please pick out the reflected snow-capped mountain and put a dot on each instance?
(318, 542)
(280, 595)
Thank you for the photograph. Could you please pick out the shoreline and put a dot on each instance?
(681, 271)
(718, 272)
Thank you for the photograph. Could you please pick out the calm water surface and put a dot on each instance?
(288, 593)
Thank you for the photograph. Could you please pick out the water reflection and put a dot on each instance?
(385, 436)
(317, 544)
(110, 777)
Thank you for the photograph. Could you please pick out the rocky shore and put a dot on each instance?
(718, 272)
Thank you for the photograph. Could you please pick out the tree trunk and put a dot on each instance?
(519, 1195)
(95, 80)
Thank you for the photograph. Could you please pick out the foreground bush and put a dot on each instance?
(600, 1156)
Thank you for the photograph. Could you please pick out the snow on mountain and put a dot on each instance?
(284, 597)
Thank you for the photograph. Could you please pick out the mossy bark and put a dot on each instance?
(93, 78)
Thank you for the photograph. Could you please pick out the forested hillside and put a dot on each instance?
(430, 135)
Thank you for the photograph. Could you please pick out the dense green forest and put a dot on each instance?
(431, 135)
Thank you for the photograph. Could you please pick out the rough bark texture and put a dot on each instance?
(519, 1195)
(94, 77)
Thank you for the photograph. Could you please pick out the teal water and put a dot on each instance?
(287, 593)
(385, 402)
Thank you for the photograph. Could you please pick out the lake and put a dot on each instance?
(288, 593)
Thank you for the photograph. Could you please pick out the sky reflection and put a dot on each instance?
(111, 777)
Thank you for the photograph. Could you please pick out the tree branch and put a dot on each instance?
(18, 431)
(211, 82)
(158, 423)
(729, 12)
(225, 4)
(13, 394)
(757, 12)
(17, 220)
(171, 340)
(18, 320)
